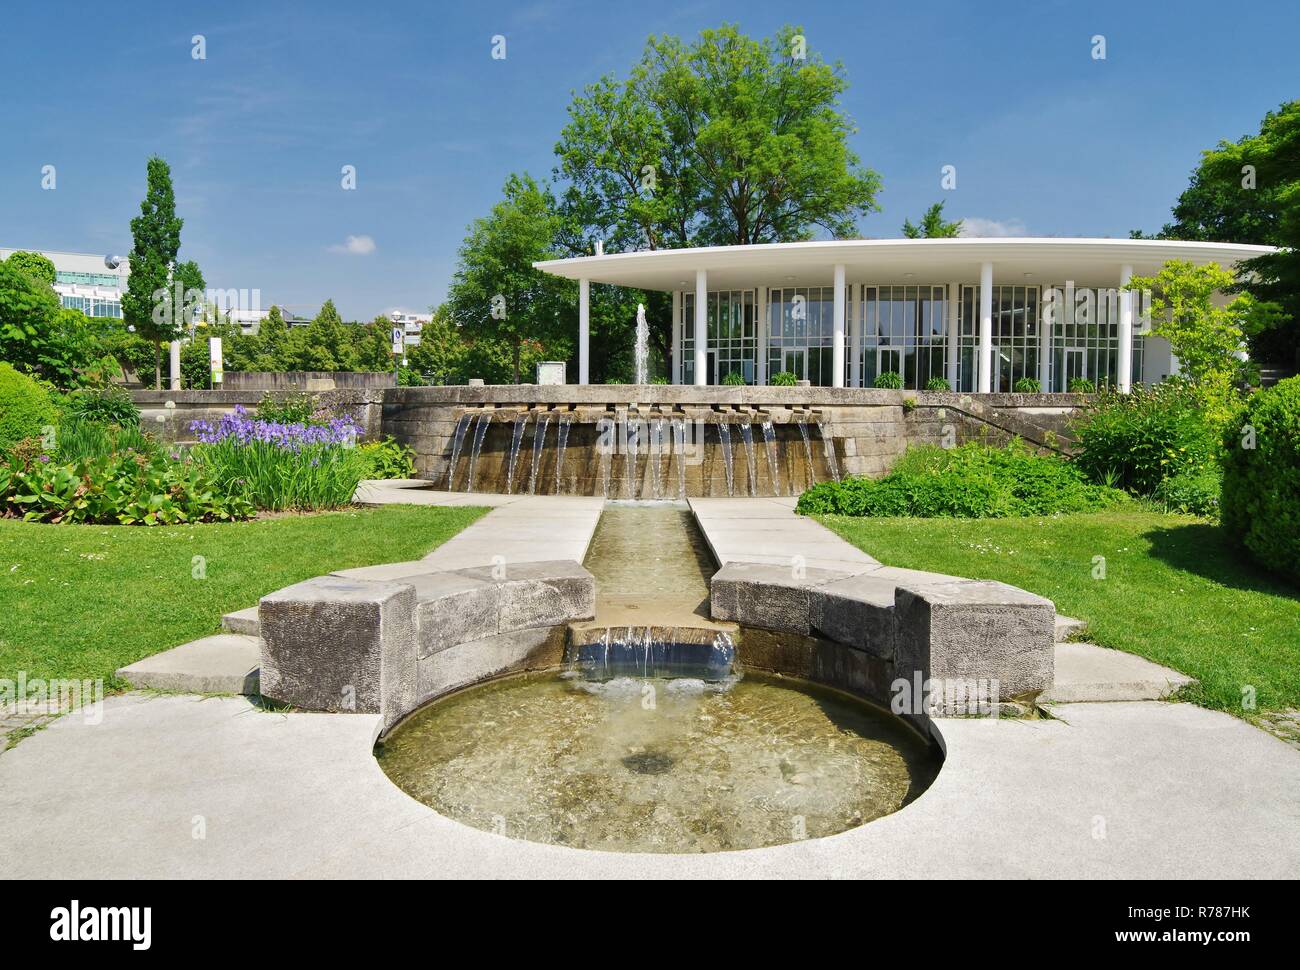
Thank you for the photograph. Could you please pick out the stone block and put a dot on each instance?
(338, 644)
(858, 611)
(477, 660)
(452, 608)
(975, 630)
(538, 594)
(770, 597)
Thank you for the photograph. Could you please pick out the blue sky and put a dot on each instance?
(1045, 139)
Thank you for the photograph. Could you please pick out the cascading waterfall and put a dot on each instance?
(521, 422)
(484, 419)
(633, 442)
(539, 440)
(642, 350)
(562, 441)
(679, 446)
(605, 444)
(724, 436)
(655, 652)
(456, 440)
(829, 444)
(656, 457)
(807, 451)
(747, 435)
(769, 440)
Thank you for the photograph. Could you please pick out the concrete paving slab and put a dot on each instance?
(1087, 672)
(225, 663)
(533, 528)
(242, 621)
(767, 530)
(1068, 626)
(1175, 791)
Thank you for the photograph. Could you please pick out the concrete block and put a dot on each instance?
(452, 608)
(225, 663)
(242, 621)
(858, 611)
(973, 630)
(538, 594)
(478, 660)
(339, 644)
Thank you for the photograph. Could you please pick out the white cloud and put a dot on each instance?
(975, 226)
(356, 245)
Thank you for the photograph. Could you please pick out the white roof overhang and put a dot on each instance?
(1033, 261)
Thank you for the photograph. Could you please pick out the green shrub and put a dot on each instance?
(889, 380)
(286, 409)
(387, 459)
(108, 405)
(1261, 484)
(784, 378)
(1027, 385)
(1137, 440)
(122, 489)
(659, 380)
(78, 438)
(1081, 385)
(938, 384)
(1193, 492)
(26, 410)
(734, 379)
(972, 481)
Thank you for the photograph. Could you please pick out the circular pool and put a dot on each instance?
(658, 765)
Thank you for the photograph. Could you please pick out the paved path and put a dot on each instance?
(1147, 790)
(766, 530)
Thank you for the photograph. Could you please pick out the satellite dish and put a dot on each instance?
(112, 262)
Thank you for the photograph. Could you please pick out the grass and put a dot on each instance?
(80, 601)
(1175, 591)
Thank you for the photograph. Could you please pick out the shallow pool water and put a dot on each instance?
(635, 765)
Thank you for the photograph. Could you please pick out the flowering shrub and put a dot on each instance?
(387, 459)
(280, 466)
(127, 488)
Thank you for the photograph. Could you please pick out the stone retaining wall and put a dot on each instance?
(167, 414)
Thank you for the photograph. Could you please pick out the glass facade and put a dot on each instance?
(909, 329)
(93, 306)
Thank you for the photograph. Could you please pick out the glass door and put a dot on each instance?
(795, 361)
(889, 359)
(1076, 365)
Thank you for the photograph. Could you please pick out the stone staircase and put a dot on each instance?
(1086, 672)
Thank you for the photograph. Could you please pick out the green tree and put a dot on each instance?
(156, 236)
(933, 225)
(1248, 191)
(1209, 340)
(272, 336)
(35, 265)
(496, 293)
(37, 334)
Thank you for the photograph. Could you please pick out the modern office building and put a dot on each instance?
(91, 283)
(980, 313)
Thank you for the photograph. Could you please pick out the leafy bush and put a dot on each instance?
(659, 380)
(78, 438)
(938, 384)
(1192, 493)
(286, 409)
(733, 379)
(1261, 484)
(972, 481)
(123, 489)
(784, 378)
(387, 459)
(282, 466)
(108, 405)
(1137, 440)
(890, 380)
(25, 407)
(1027, 385)
(1081, 385)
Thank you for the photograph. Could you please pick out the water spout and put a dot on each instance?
(539, 440)
(807, 452)
(679, 447)
(724, 436)
(633, 443)
(484, 419)
(769, 439)
(457, 438)
(521, 422)
(642, 351)
(829, 444)
(562, 442)
(605, 444)
(747, 435)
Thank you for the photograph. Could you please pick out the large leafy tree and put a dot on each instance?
(496, 294)
(1248, 191)
(933, 225)
(156, 238)
(37, 334)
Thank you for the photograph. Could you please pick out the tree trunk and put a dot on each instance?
(157, 365)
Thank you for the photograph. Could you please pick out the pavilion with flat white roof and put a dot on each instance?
(980, 314)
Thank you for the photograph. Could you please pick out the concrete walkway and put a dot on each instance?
(766, 530)
(184, 787)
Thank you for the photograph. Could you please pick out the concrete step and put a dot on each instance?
(225, 663)
(1087, 672)
(242, 621)
(1067, 626)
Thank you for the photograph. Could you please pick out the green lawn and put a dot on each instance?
(1174, 590)
(81, 600)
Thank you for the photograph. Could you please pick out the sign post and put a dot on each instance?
(398, 348)
(214, 360)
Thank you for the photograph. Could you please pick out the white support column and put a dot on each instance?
(174, 360)
(1046, 328)
(701, 327)
(761, 328)
(677, 337)
(855, 336)
(837, 338)
(1125, 331)
(584, 330)
(986, 329)
(953, 323)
